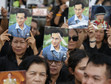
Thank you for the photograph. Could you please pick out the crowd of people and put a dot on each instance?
(86, 60)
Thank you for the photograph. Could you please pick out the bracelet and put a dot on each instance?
(92, 41)
(58, 14)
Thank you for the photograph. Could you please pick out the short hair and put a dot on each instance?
(22, 11)
(99, 59)
(76, 57)
(26, 63)
(77, 3)
(57, 31)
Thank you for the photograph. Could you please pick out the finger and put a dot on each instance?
(31, 34)
(6, 31)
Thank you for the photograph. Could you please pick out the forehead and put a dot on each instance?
(77, 6)
(37, 67)
(83, 62)
(93, 70)
(72, 32)
(18, 39)
(56, 35)
(20, 14)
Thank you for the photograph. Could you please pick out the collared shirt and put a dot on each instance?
(16, 31)
(51, 54)
(74, 22)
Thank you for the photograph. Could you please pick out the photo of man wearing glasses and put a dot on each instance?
(20, 29)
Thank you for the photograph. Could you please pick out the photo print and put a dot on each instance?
(20, 22)
(101, 17)
(55, 43)
(78, 14)
(12, 77)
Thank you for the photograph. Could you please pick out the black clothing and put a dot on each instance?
(64, 14)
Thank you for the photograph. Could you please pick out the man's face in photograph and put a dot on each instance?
(56, 39)
(20, 18)
(78, 10)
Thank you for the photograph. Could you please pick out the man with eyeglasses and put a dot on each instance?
(20, 29)
(55, 49)
(78, 20)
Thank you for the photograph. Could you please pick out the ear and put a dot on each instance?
(71, 71)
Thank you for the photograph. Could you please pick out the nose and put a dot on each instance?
(37, 78)
(18, 44)
(89, 81)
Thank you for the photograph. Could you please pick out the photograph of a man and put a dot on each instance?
(55, 49)
(9, 80)
(78, 20)
(20, 29)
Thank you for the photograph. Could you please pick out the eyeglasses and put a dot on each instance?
(56, 62)
(74, 38)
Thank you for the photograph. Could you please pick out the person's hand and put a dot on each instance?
(3, 38)
(4, 12)
(109, 36)
(62, 8)
(65, 25)
(31, 41)
(49, 17)
(91, 32)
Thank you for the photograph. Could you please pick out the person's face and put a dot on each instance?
(36, 74)
(72, 44)
(99, 34)
(79, 69)
(100, 17)
(95, 74)
(19, 46)
(78, 10)
(20, 18)
(55, 67)
(9, 75)
(108, 3)
(55, 39)
(34, 29)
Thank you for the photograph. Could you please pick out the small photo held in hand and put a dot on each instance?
(78, 14)
(20, 22)
(101, 17)
(55, 43)
(40, 12)
(13, 77)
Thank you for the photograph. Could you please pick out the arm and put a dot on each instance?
(32, 42)
(59, 13)
(3, 38)
(4, 21)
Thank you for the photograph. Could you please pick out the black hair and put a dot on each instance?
(22, 11)
(57, 31)
(76, 57)
(99, 59)
(77, 3)
(26, 63)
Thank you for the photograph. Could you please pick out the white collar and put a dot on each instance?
(76, 18)
(17, 26)
(52, 48)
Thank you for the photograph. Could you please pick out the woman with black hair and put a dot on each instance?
(37, 70)
(18, 50)
(59, 13)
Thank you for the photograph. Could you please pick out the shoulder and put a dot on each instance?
(12, 25)
(71, 18)
(64, 48)
(47, 48)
